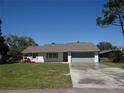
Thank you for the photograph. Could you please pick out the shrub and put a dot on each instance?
(27, 60)
(117, 56)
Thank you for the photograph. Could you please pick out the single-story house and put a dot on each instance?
(69, 52)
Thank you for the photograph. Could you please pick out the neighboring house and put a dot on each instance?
(70, 52)
(105, 53)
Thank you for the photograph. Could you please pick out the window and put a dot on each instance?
(52, 55)
(34, 55)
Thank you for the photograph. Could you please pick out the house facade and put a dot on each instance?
(70, 52)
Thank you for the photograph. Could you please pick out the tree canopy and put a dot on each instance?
(113, 13)
(105, 46)
(17, 44)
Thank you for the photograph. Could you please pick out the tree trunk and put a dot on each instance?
(122, 24)
(0, 58)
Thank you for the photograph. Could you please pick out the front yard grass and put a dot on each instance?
(23, 76)
(110, 63)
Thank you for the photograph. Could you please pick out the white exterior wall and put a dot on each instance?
(38, 59)
(96, 57)
(69, 57)
(30, 57)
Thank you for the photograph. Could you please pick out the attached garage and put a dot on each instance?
(82, 56)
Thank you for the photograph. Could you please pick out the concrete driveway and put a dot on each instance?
(96, 76)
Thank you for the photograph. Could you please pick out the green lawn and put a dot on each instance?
(22, 76)
(120, 65)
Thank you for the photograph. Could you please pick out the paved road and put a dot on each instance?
(83, 90)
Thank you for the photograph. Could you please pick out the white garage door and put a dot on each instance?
(82, 57)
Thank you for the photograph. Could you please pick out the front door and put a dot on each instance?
(65, 56)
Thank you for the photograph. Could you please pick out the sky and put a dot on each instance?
(58, 21)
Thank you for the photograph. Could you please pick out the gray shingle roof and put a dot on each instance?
(83, 47)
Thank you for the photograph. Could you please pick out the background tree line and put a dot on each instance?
(106, 46)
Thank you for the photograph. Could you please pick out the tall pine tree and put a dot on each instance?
(113, 13)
